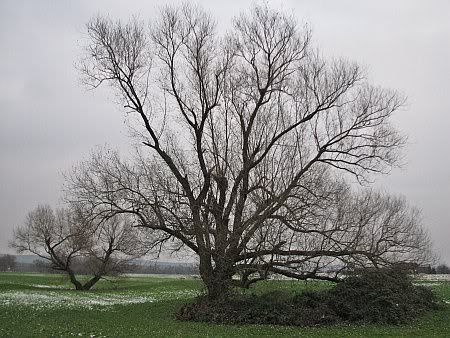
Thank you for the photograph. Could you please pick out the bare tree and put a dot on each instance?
(243, 135)
(66, 237)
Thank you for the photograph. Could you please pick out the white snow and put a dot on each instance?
(434, 278)
(52, 299)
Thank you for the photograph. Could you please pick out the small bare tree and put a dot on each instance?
(246, 133)
(65, 238)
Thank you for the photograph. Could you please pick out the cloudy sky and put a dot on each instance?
(48, 121)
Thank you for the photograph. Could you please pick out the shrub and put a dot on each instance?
(274, 308)
(373, 296)
(380, 296)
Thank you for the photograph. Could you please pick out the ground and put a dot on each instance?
(37, 305)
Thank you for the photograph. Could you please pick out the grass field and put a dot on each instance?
(35, 305)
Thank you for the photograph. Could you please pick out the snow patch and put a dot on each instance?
(434, 278)
(42, 286)
(53, 299)
(427, 284)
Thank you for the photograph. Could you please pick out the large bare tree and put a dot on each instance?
(245, 135)
(67, 238)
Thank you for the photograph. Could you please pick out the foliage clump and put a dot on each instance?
(380, 296)
(270, 308)
(371, 296)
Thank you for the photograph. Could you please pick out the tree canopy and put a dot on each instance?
(247, 139)
(67, 238)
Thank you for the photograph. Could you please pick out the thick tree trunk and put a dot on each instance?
(219, 289)
(219, 282)
(216, 270)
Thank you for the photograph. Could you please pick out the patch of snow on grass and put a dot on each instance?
(42, 286)
(427, 284)
(53, 299)
(434, 278)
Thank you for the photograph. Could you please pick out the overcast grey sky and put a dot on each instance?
(48, 121)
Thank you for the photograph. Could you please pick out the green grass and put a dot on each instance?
(35, 305)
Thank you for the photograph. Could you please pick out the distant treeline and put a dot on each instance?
(29, 264)
(166, 269)
(33, 264)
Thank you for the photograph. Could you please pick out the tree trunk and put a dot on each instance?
(218, 289)
(91, 282)
(219, 282)
(74, 281)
